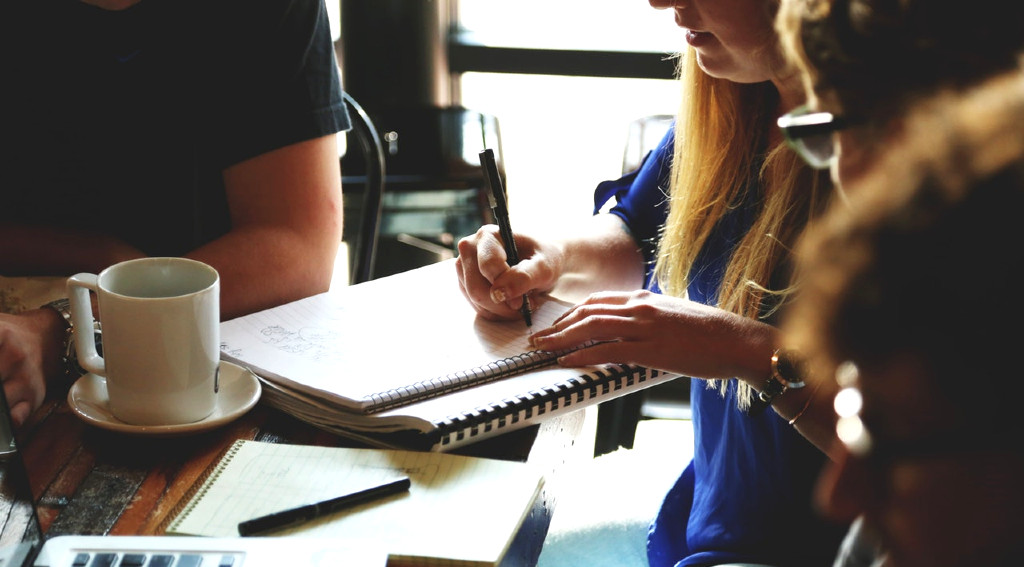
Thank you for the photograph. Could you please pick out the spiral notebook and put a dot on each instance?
(23, 543)
(405, 362)
(459, 511)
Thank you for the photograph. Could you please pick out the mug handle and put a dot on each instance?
(81, 318)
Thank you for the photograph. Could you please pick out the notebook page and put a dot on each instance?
(389, 333)
(458, 507)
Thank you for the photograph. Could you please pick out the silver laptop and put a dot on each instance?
(22, 543)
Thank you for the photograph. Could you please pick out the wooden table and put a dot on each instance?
(90, 481)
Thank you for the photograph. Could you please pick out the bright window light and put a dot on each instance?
(563, 135)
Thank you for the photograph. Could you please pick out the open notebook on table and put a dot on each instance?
(463, 511)
(23, 544)
(404, 361)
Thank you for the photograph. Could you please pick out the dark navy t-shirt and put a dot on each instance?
(122, 122)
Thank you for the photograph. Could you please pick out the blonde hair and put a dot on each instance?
(722, 136)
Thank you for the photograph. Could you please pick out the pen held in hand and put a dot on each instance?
(303, 514)
(496, 197)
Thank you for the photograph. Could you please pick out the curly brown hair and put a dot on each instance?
(925, 261)
(871, 58)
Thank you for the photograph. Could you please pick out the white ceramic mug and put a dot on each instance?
(161, 337)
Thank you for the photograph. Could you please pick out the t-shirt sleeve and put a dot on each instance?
(640, 198)
(288, 90)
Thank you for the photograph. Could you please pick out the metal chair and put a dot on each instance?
(363, 249)
(434, 183)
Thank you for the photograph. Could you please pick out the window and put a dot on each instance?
(564, 130)
(595, 25)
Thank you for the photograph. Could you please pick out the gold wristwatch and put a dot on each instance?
(787, 372)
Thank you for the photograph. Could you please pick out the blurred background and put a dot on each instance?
(555, 87)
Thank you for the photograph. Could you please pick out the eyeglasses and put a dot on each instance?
(810, 134)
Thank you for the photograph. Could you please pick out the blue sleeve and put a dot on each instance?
(641, 198)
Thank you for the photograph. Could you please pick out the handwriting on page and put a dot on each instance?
(373, 338)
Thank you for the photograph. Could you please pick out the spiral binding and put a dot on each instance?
(461, 380)
(526, 406)
(201, 486)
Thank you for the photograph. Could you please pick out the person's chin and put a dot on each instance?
(712, 65)
(722, 67)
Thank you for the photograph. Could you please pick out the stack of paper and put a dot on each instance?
(404, 361)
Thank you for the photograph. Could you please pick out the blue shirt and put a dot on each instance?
(746, 496)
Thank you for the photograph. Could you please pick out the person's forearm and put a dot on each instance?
(51, 251)
(266, 266)
(286, 217)
(809, 408)
(812, 413)
(600, 255)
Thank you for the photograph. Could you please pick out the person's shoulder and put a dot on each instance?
(271, 12)
(244, 27)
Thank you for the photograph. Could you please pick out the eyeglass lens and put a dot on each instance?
(817, 151)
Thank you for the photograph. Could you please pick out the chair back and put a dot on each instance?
(644, 135)
(363, 249)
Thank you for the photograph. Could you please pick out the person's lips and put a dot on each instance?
(698, 38)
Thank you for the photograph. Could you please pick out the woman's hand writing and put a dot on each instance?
(658, 331)
(493, 288)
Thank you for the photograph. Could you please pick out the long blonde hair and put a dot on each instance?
(722, 135)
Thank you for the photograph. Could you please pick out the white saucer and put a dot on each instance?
(239, 392)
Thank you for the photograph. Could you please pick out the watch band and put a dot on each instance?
(69, 356)
(786, 372)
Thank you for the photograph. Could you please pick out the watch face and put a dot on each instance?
(788, 367)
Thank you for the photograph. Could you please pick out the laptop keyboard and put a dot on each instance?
(109, 559)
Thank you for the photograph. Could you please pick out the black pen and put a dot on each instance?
(496, 196)
(303, 514)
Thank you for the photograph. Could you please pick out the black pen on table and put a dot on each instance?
(496, 197)
(303, 514)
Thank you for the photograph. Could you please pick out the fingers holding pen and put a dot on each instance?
(481, 308)
(538, 271)
(482, 264)
(493, 287)
(491, 258)
(472, 266)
